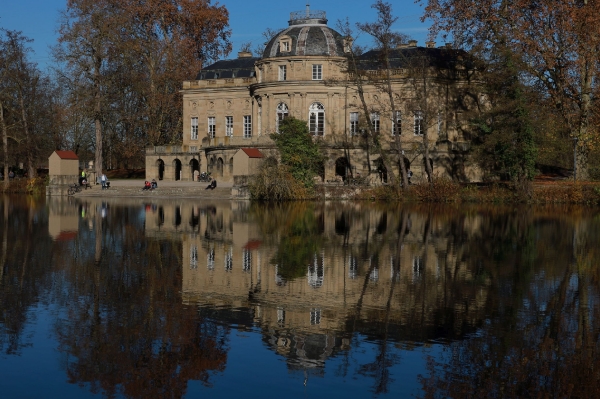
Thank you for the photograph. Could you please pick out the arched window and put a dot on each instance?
(282, 113)
(316, 118)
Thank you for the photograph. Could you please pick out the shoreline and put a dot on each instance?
(133, 188)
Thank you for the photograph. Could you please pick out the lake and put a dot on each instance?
(177, 298)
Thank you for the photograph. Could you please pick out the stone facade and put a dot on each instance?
(238, 103)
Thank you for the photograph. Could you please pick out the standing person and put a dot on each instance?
(103, 180)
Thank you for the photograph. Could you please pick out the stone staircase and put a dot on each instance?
(198, 192)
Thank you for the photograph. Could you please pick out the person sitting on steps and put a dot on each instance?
(212, 185)
(147, 185)
(153, 184)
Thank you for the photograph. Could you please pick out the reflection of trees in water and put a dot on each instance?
(541, 338)
(295, 229)
(126, 328)
(24, 272)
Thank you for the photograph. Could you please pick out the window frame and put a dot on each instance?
(283, 111)
(247, 126)
(194, 128)
(376, 122)
(229, 126)
(354, 123)
(418, 123)
(212, 127)
(317, 71)
(397, 123)
(316, 119)
(285, 44)
(282, 73)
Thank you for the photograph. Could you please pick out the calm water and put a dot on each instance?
(191, 299)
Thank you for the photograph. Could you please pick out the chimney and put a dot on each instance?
(430, 44)
(401, 45)
(448, 45)
(244, 54)
(412, 43)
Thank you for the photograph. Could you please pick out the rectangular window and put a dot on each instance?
(418, 123)
(375, 121)
(317, 72)
(247, 126)
(229, 126)
(282, 72)
(194, 128)
(397, 123)
(353, 123)
(212, 127)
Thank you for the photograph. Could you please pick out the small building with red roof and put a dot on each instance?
(246, 162)
(63, 163)
(63, 170)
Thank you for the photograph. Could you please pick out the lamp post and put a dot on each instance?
(575, 139)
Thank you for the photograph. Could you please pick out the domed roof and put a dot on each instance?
(307, 34)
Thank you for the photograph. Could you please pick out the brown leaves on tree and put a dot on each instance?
(556, 42)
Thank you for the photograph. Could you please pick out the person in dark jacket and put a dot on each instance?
(212, 185)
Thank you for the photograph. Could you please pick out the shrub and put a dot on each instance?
(298, 152)
(275, 183)
(439, 190)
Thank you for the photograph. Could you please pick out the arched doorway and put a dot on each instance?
(220, 167)
(342, 167)
(160, 165)
(211, 165)
(194, 168)
(177, 168)
(381, 170)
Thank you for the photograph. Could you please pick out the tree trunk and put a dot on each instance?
(28, 143)
(4, 143)
(581, 163)
(97, 121)
(397, 142)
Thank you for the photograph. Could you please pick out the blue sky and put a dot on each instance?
(38, 19)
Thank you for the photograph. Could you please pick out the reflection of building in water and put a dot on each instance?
(63, 218)
(343, 285)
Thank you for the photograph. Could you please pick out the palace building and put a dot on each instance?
(303, 72)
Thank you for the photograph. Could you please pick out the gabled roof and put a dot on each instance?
(253, 152)
(66, 154)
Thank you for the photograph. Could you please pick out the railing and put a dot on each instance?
(314, 14)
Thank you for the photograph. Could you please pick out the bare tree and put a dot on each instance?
(86, 36)
(385, 40)
(358, 81)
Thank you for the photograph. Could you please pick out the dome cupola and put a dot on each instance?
(307, 34)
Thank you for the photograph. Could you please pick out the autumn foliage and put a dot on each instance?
(555, 43)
